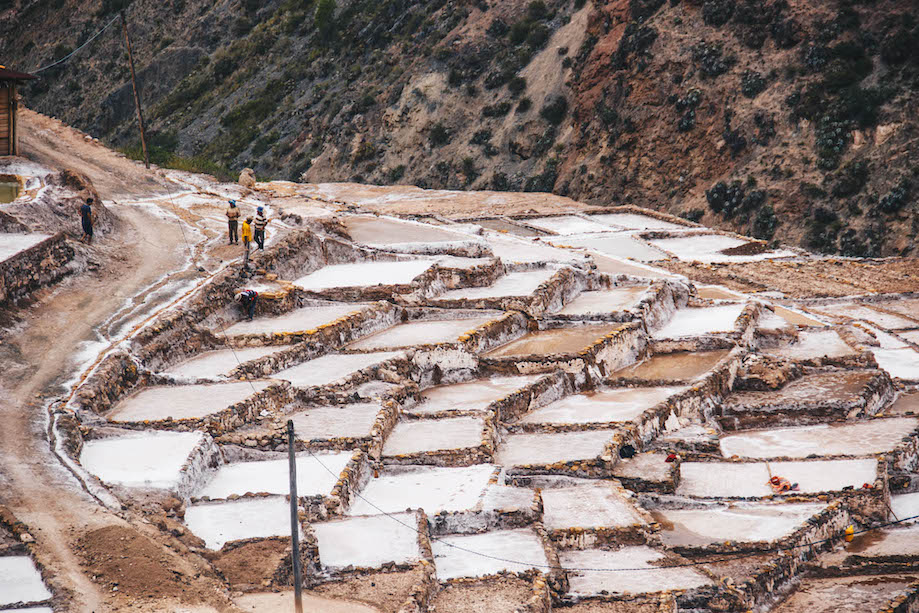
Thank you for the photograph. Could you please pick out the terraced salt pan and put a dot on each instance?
(741, 523)
(609, 301)
(797, 318)
(717, 292)
(899, 363)
(184, 401)
(218, 363)
(367, 542)
(426, 332)
(522, 251)
(592, 583)
(813, 344)
(431, 488)
(567, 224)
(364, 274)
(707, 248)
(633, 221)
(523, 449)
(419, 435)
(862, 438)
(471, 396)
(316, 476)
(29, 610)
(332, 368)
(337, 421)
(454, 557)
(513, 284)
(502, 225)
(680, 366)
(222, 522)
(724, 480)
(699, 321)
(618, 245)
(853, 594)
(615, 267)
(20, 581)
(387, 231)
(601, 406)
(905, 505)
(558, 340)
(897, 541)
(298, 320)
(588, 505)
(150, 460)
(11, 244)
(858, 311)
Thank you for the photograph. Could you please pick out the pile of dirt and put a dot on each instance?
(388, 591)
(751, 248)
(57, 208)
(252, 564)
(503, 594)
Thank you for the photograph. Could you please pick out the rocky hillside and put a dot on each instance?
(786, 119)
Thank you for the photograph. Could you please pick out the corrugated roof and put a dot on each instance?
(11, 75)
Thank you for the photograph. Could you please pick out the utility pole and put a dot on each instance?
(140, 114)
(294, 519)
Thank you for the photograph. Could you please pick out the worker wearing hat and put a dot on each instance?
(233, 221)
(260, 222)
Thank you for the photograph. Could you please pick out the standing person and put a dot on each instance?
(260, 222)
(247, 239)
(248, 298)
(86, 218)
(233, 222)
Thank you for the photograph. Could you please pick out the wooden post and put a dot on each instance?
(14, 107)
(294, 519)
(140, 114)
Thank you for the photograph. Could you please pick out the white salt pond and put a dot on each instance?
(510, 285)
(741, 523)
(699, 321)
(316, 476)
(370, 230)
(812, 344)
(602, 302)
(724, 480)
(431, 488)
(332, 368)
(426, 332)
(522, 251)
(592, 583)
(454, 559)
(218, 363)
(20, 581)
(567, 224)
(298, 320)
(367, 542)
(860, 438)
(615, 267)
(587, 505)
(708, 248)
(899, 363)
(150, 460)
(221, 522)
(335, 421)
(601, 406)
(12, 244)
(866, 313)
(420, 435)
(634, 221)
(905, 505)
(184, 401)
(471, 396)
(364, 274)
(617, 245)
(523, 449)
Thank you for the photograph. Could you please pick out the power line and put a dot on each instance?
(72, 53)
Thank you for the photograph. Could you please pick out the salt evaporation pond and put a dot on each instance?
(431, 488)
(702, 320)
(602, 302)
(895, 541)
(420, 435)
(707, 248)
(388, 231)
(426, 332)
(717, 292)
(219, 363)
(852, 594)
(316, 476)
(899, 363)
(905, 505)
(218, 523)
(813, 344)
(455, 556)
(298, 320)
(587, 583)
(335, 421)
(740, 523)
(20, 581)
(471, 396)
(184, 401)
(510, 285)
(796, 318)
(503, 225)
(524, 449)
(11, 244)
(522, 251)
(332, 368)
(617, 245)
(679, 366)
(567, 224)
(150, 460)
(364, 274)
(557, 340)
(634, 221)
(601, 406)
(615, 267)
(861, 438)
(587, 505)
(725, 479)
(865, 313)
(367, 542)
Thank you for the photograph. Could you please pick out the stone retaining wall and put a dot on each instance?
(34, 268)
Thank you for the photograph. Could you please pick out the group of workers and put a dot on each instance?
(253, 229)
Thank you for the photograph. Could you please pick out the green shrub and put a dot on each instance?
(554, 110)
(752, 84)
(438, 134)
(851, 179)
(716, 13)
(517, 86)
(498, 109)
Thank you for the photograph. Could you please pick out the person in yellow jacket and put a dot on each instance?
(246, 235)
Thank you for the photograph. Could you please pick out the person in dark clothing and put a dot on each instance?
(233, 221)
(248, 298)
(86, 218)
(260, 222)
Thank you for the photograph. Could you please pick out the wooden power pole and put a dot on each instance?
(294, 519)
(140, 114)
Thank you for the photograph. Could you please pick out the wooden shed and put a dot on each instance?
(9, 79)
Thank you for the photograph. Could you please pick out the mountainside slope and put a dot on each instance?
(784, 119)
